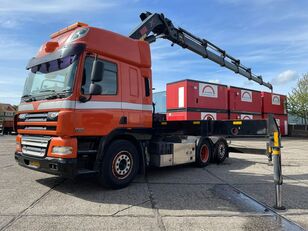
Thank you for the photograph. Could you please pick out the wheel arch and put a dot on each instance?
(122, 134)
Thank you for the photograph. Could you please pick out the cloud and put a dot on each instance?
(214, 81)
(285, 77)
(11, 96)
(14, 48)
(56, 6)
(9, 23)
(258, 2)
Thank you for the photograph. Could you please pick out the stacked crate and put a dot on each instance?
(276, 104)
(196, 100)
(244, 104)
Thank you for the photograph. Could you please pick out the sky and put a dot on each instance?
(270, 36)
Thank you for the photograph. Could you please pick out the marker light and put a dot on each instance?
(77, 34)
(66, 29)
(18, 143)
(65, 150)
(51, 46)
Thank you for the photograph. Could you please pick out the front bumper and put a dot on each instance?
(56, 166)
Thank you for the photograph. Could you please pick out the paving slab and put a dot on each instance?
(48, 223)
(300, 219)
(221, 223)
(89, 198)
(6, 162)
(191, 200)
(187, 174)
(235, 170)
(249, 172)
(16, 199)
(4, 220)
(186, 197)
(294, 196)
(19, 188)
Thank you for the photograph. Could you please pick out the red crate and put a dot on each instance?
(243, 116)
(274, 103)
(197, 94)
(282, 121)
(184, 115)
(244, 101)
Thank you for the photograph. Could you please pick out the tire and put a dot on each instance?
(204, 152)
(120, 165)
(221, 151)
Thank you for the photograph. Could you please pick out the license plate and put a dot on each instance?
(34, 164)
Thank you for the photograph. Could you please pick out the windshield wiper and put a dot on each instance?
(29, 98)
(47, 90)
(56, 94)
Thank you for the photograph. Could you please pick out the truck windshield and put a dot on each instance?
(49, 80)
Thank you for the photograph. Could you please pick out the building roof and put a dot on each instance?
(4, 107)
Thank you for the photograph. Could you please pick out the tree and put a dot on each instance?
(298, 99)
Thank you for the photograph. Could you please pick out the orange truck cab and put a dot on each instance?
(59, 118)
(87, 109)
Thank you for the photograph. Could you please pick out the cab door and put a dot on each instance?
(102, 113)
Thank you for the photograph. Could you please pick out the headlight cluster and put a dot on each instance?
(62, 150)
(22, 116)
(52, 116)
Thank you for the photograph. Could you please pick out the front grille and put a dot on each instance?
(35, 145)
(48, 128)
(36, 117)
(37, 122)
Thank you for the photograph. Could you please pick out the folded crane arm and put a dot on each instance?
(155, 26)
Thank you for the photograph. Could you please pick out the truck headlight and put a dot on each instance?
(52, 115)
(65, 150)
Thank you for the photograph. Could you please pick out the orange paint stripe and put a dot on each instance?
(36, 132)
(37, 123)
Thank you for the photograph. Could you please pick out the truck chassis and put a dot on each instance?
(129, 151)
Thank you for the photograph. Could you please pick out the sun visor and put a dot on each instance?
(71, 49)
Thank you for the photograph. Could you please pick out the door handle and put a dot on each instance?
(123, 120)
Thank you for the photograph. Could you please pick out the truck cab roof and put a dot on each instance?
(98, 41)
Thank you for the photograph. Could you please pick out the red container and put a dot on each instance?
(245, 116)
(245, 101)
(197, 95)
(274, 103)
(282, 121)
(184, 115)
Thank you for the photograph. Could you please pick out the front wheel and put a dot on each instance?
(120, 165)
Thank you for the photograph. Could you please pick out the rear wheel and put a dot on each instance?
(204, 153)
(120, 165)
(221, 151)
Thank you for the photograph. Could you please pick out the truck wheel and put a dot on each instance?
(120, 165)
(221, 151)
(204, 153)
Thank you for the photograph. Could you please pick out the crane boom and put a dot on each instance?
(162, 27)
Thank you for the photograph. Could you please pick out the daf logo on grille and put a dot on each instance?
(79, 129)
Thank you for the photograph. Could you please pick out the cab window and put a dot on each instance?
(109, 82)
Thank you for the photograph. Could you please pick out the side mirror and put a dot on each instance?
(97, 71)
(95, 89)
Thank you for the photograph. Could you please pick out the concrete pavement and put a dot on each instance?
(217, 197)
